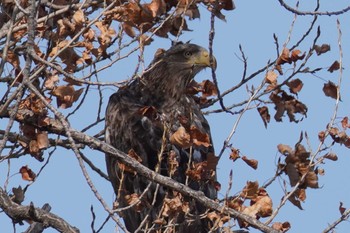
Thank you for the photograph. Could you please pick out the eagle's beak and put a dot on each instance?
(203, 59)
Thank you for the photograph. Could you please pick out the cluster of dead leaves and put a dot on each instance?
(66, 51)
(206, 88)
(35, 140)
(66, 95)
(260, 204)
(173, 206)
(200, 172)
(300, 171)
(289, 57)
(13, 59)
(338, 135)
(185, 137)
(285, 103)
(234, 155)
(148, 17)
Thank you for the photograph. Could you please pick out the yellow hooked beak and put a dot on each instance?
(203, 59)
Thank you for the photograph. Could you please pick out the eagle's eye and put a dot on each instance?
(187, 54)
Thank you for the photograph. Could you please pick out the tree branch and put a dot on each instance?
(19, 213)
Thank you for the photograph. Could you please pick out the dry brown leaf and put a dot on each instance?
(227, 4)
(145, 40)
(34, 148)
(251, 211)
(334, 66)
(295, 85)
(321, 136)
(198, 138)
(12, 58)
(208, 88)
(287, 103)
(311, 179)
(89, 35)
(293, 174)
(66, 95)
(219, 219)
(79, 17)
(301, 194)
(236, 203)
(271, 77)
(322, 49)
(181, 138)
(264, 114)
(51, 81)
(345, 122)
(301, 152)
(320, 171)
(263, 205)
(331, 156)
(172, 206)
(42, 140)
(27, 173)
(250, 190)
(38, 53)
(333, 131)
(157, 7)
(284, 227)
(85, 58)
(104, 39)
(295, 201)
(330, 90)
(295, 55)
(285, 149)
(134, 156)
(234, 154)
(284, 57)
(251, 162)
(67, 55)
(199, 171)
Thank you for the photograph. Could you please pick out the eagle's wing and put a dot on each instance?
(125, 130)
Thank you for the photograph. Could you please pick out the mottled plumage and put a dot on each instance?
(141, 118)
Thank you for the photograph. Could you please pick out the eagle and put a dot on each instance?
(157, 121)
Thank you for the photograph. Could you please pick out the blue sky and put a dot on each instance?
(252, 25)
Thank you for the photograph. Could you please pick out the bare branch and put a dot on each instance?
(19, 213)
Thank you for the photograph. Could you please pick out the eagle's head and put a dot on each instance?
(172, 70)
(186, 56)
